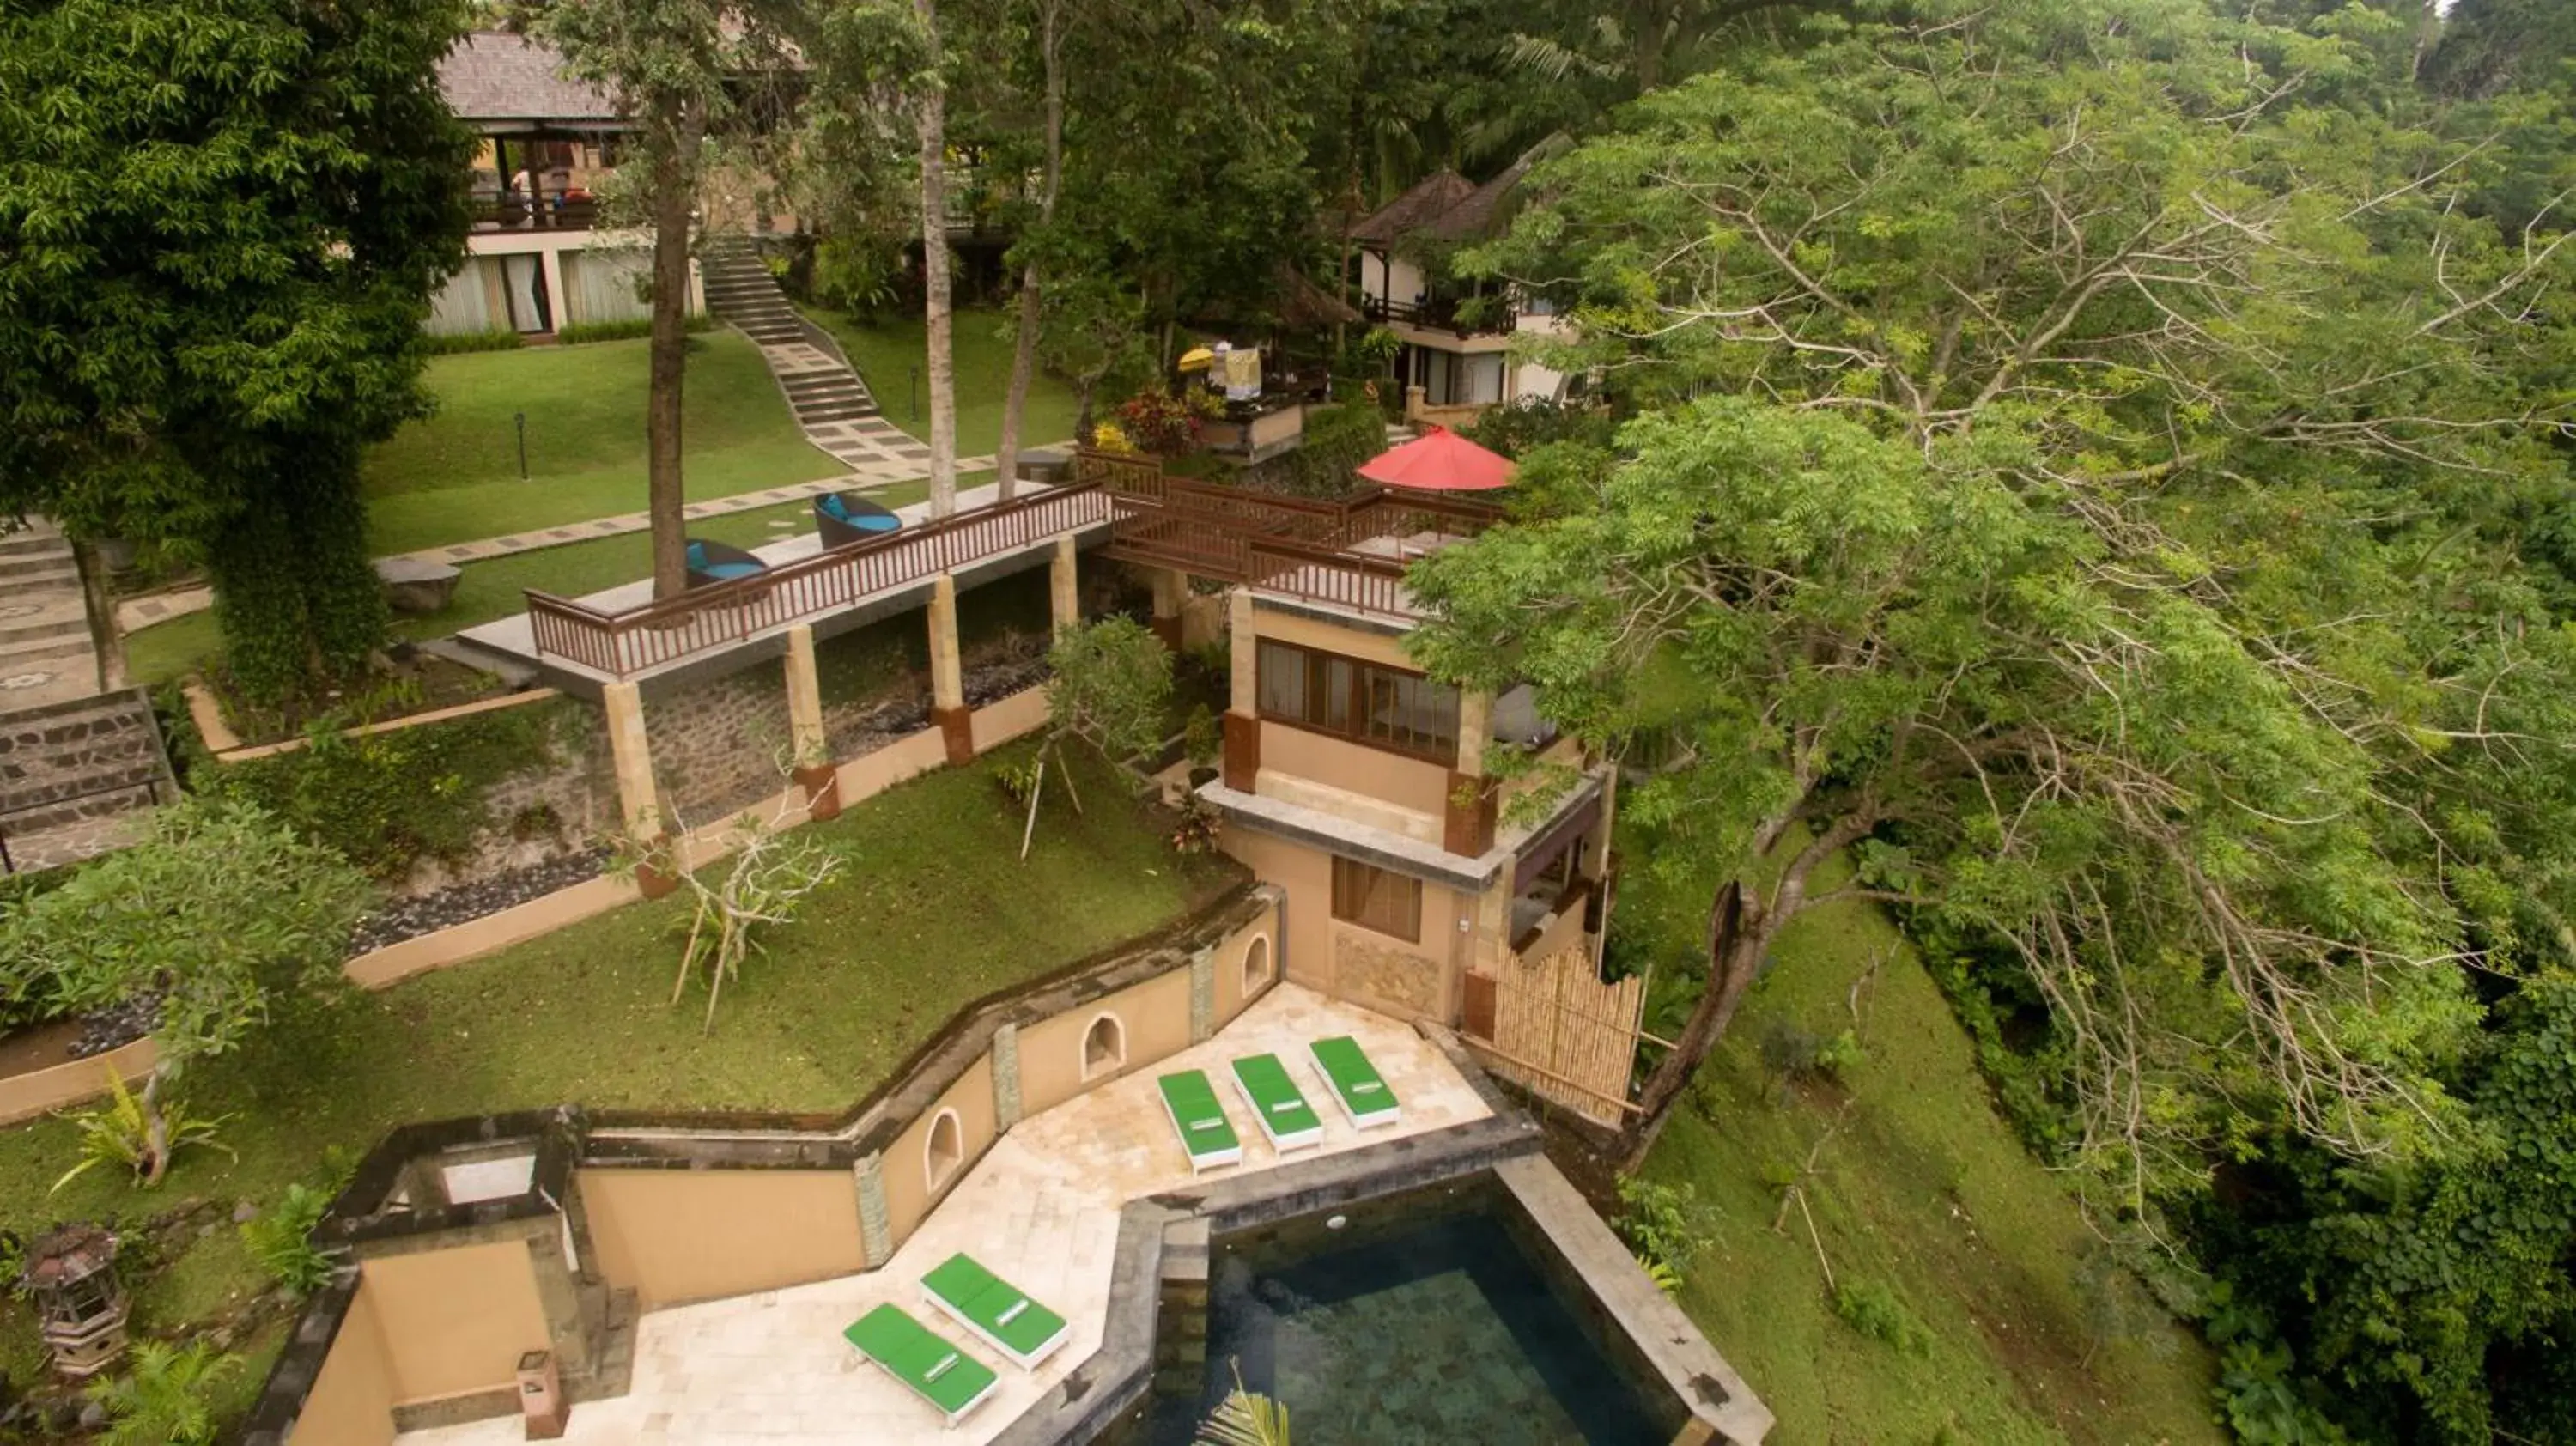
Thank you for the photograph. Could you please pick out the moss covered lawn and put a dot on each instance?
(454, 476)
(1922, 1190)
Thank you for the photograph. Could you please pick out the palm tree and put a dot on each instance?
(1245, 1418)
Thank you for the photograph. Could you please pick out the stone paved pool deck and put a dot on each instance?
(1041, 1209)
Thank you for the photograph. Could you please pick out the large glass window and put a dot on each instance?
(1374, 898)
(1368, 703)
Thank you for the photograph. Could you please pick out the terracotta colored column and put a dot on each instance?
(1064, 589)
(947, 674)
(810, 752)
(632, 753)
(1243, 706)
(1469, 826)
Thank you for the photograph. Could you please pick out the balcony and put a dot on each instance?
(1348, 554)
(570, 209)
(1458, 315)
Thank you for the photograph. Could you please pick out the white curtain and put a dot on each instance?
(463, 307)
(602, 285)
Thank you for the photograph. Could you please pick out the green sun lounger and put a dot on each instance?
(1285, 1116)
(1353, 1082)
(1200, 1121)
(999, 1313)
(949, 1379)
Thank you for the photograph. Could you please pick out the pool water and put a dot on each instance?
(1431, 1330)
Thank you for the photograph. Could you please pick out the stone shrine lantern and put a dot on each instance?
(70, 1278)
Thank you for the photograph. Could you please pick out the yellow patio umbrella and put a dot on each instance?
(1197, 358)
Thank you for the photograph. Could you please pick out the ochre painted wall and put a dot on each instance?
(456, 1321)
(1349, 642)
(1418, 788)
(1233, 990)
(909, 1195)
(1306, 876)
(352, 1400)
(684, 1235)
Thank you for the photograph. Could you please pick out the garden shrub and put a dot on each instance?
(1517, 427)
(1338, 440)
(450, 343)
(1876, 1312)
(627, 329)
(1664, 1226)
(1160, 423)
(389, 800)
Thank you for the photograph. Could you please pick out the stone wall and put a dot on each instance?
(722, 745)
(541, 813)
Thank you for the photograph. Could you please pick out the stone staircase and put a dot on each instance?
(45, 653)
(76, 777)
(831, 401)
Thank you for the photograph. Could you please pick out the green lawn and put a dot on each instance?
(881, 958)
(887, 354)
(1923, 1191)
(454, 476)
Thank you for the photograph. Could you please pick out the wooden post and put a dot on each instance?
(947, 673)
(811, 750)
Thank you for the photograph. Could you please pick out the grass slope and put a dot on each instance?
(1921, 1190)
(888, 353)
(454, 476)
(879, 961)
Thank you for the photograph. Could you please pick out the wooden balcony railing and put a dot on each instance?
(1460, 315)
(623, 644)
(1301, 546)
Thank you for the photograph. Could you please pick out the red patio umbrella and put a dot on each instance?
(1439, 461)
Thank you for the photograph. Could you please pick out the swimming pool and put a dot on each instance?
(1435, 1316)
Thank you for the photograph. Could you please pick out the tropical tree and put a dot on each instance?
(220, 227)
(209, 923)
(168, 1396)
(1049, 19)
(687, 73)
(2073, 558)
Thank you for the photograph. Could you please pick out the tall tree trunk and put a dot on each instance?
(932, 109)
(107, 640)
(1024, 353)
(1734, 957)
(664, 489)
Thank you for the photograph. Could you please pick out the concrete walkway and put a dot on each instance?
(1041, 1209)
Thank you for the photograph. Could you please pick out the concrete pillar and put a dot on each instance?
(947, 673)
(1242, 713)
(640, 806)
(1202, 996)
(1007, 1102)
(1171, 594)
(810, 752)
(1064, 587)
(876, 1228)
(550, 264)
(1488, 943)
(1468, 827)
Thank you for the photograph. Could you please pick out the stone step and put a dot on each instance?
(846, 412)
(847, 389)
(39, 570)
(37, 652)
